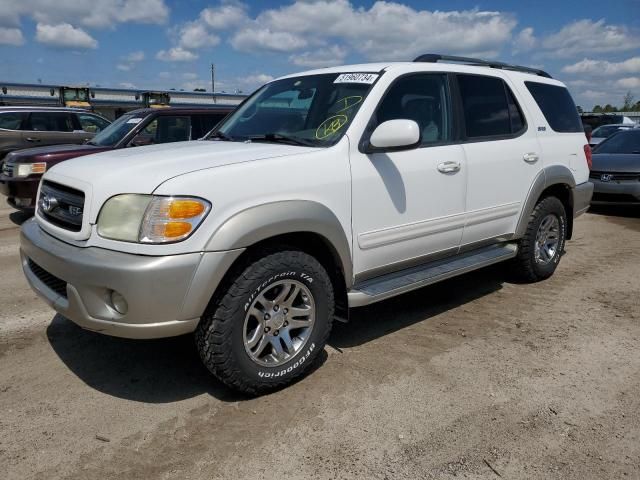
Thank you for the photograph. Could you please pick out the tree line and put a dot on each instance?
(629, 104)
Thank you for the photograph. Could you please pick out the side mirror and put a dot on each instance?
(395, 135)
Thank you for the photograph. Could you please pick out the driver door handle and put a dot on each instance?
(32, 139)
(530, 157)
(449, 167)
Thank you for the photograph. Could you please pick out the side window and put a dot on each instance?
(204, 123)
(516, 117)
(12, 120)
(51, 122)
(557, 107)
(91, 123)
(173, 129)
(490, 109)
(423, 98)
(164, 129)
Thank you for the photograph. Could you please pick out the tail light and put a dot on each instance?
(587, 153)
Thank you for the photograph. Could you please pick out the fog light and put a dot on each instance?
(22, 202)
(119, 303)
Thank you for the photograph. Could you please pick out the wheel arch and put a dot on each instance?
(557, 181)
(300, 224)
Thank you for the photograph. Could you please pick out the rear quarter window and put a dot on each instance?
(557, 107)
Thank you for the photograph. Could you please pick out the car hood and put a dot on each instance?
(616, 162)
(52, 152)
(142, 169)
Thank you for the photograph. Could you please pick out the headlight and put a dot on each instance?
(150, 218)
(26, 169)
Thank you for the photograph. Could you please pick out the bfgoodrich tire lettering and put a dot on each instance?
(224, 334)
(542, 245)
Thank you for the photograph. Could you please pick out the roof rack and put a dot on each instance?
(435, 58)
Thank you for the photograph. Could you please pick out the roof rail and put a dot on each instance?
(435, 58)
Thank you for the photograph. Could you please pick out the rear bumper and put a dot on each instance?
(582, 198)
(616, 192)
(20, 192)
(166, 295)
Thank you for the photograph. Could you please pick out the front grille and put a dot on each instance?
(614, 198)
(616, 176)
(51, 281)
(61, 205)
(7, 169)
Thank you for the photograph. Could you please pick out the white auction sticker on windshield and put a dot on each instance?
(134, 120)
(356, 78)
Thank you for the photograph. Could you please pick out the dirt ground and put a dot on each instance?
(473, 378)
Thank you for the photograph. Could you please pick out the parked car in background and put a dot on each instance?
(22, 169)
(598, 119)
(600, 133)
(616, 169)
(23, 127)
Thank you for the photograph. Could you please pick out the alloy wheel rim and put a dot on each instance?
(547, 239)
(278, 323)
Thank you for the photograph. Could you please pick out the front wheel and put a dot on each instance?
(542, 245)
(270, 324)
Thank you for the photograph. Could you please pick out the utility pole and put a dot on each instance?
(213, 82)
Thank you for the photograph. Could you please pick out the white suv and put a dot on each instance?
(325, 190)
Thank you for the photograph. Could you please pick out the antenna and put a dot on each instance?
(213, 82)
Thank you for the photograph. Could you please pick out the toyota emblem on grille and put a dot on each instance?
(606, 177)
(48, 203)
(75, 211)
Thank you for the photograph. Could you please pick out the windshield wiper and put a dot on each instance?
(221, 136)
(279, 138)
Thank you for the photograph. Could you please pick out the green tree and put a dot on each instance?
(628, 102)
(608, 108)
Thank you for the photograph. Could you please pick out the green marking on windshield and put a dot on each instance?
(347, 102)
(331, 126)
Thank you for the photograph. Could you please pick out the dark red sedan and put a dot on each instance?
(21, 170)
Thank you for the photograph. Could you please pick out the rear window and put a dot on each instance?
(557, 107)
(490, 109)
(12, 120)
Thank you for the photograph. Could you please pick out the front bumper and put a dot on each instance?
(166, 295)
(582, 194)
(616, 192)
(20, 192)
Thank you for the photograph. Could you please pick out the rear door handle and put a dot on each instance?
(449, 167)
(530, 157)
(32, 139)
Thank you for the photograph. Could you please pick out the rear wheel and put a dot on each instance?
(542, 245)
(270, 323)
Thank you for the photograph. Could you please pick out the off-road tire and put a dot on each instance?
(525, 266)
(220, 334)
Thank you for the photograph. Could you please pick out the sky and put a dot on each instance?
(594, 47)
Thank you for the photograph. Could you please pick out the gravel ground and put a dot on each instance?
(473, 378)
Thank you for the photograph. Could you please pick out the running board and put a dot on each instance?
(392, 284)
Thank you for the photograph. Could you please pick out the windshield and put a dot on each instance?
(312, 110)
(117, 130)
(627, 141)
